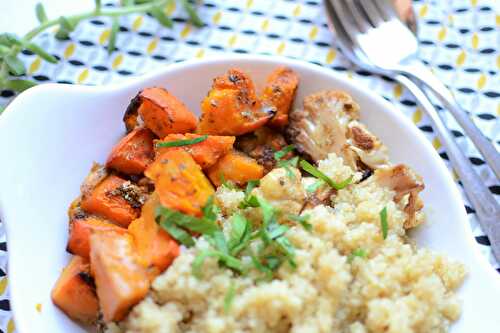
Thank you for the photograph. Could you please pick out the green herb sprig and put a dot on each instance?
(383, 222)
(311, 169)
(11, 66)
(287, 164)
(180, 143)
(360, 253)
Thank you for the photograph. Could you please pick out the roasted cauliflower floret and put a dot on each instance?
(283, 190)
(407, 185)
(367, 146)
(320, 127)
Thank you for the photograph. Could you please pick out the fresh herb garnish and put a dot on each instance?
(241, 234)
(361, 253)
(179, 225)
(309, 168)
(229, 297)
(250, 200)
(287, 164)
(11, 45)
(383, 222)
(224, 259)
(283, 152)
(180, 143)
(227, 183)
(302, 219)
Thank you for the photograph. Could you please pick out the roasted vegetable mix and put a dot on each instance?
(155, 192)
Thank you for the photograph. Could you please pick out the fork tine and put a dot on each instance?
(345, 43)
(345, 19)
(372, 12)
(357, 15)
(386, 8)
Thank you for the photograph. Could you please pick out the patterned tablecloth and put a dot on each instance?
(459, 40)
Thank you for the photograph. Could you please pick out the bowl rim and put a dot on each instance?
(350, 85)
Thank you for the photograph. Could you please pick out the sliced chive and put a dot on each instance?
(283, 152)
(361, 253)
(180, 143)
(383, 222)
(302, 219)
(309, 168)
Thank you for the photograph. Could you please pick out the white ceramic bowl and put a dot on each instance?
(51, 134)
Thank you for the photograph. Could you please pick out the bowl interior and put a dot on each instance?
(51, 135)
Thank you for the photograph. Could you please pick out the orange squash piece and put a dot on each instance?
(179, 182)
(232, 107)
(235, 167)
(120, 280)
(154, 247)
(207, 152)
(74, 293)
(80, 231)
(162, 113)
(107, 201)
(133, 153)
(279, 93)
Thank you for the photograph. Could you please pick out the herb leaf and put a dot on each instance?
(241, 233)
(160, 15)
(283, 152)
(357, 253)
(41, 52)
(179, 234)
(112, 35)
(309, 168)
(224, 258)
(20, 85)
(383, 222)
(303, 220)
(229, 297)
(180, 143)
(191, 223)
(40, 13)
(250, 200)
(193, 16)
(65, 28)
(15, 65)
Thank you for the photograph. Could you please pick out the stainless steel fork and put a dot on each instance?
(373, 25)
(487, 209)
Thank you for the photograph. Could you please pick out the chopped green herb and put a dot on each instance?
(309, 168)
(179, 234)
(229, 298)
(250, 200)
(241, 234)
(224, 259)
(287, 165)
(383, 222)
(283, 152)
(357, 253)
(227, 183)
(314, 186)
(176, 223)
(205, 226)
(303, 220)
(180, 143)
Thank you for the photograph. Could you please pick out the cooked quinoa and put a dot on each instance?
(394, 287)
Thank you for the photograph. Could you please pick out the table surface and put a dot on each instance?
(459, 40)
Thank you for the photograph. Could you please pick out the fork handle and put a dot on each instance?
(486, 206)
(417, 70)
